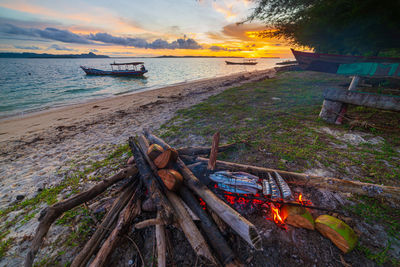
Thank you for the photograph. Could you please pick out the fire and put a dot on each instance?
(302, 201)
(277, 216)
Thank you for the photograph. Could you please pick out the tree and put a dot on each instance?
(357, 27)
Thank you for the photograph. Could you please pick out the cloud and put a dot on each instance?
(94, 50)
(217, 48)
(106, 38)
(48, 33)
(27, 47)
(60, 48)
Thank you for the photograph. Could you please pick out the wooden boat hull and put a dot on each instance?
(240, 63)
(330, 63)
(92, 71)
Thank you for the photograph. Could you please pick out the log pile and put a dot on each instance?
(161, 181)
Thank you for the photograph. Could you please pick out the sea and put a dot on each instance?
(34, 84)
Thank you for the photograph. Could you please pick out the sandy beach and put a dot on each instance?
(37, 146)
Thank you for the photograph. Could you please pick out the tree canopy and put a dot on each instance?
(357, 27)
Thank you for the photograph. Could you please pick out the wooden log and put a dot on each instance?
(337, 231)
(334, 184)
(153, 185)
(154, 151)
(297, 216)
(167, 159)
(379, 101)
(186, 223)
(215, 238)
(108, 222)
(124, 222)
(202, 150)
(49, 215)
(161, 245)
(149, 222)
(330, 110)
(171, 178)
(214, 152)
(237, 222)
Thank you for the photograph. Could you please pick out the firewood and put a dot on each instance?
(237, 222)
(151, 182)
(337, 231)
(202, 150)
(154, 151)
(50, 214)
(187, 225)
(171, 178)
(161, 245)
(149, 222)
(214, 152)
(334, 184)
(108, 222)
(215, 238)
(124, 222)
(297, 216)
(166, 159)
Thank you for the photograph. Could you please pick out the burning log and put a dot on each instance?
(214, 152)
(297, 216)
(124, 222)
(186, 223)
(50, 214)
(337, 231)
(151, 183)
(202, 150)
(171, 178)
(166, 159)
(237, 222)
(108, 222)
(366, 189)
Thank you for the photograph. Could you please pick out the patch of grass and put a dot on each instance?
(381, 257)
(4, 246)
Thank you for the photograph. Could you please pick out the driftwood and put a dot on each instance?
(214, 152)
(161, 245)
(184, 219)
(149, 222)
(334, 184)
(108, 222)
(202, 150)
(49, 215)
(215, 238)
(150, 181)
(237, 222)
(124, 222)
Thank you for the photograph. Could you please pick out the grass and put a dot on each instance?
(277, 122)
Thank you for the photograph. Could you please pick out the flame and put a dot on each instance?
(277, 216)
(302, 201)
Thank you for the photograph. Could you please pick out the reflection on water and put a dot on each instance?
(34, 84)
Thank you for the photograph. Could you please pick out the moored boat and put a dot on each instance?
(244, 62)
(330, 62)
(119, 69)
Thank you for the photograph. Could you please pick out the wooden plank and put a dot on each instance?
(386, 102)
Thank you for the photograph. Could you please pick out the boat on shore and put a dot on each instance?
(119, 69)
(330, 62)
(244, 62)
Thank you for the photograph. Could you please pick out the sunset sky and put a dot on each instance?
(134, 28)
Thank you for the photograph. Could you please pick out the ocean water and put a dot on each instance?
(28, 85)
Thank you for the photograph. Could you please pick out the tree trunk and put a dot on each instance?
(49, 215)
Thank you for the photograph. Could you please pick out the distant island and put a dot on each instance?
(169, 56)
(35, 55)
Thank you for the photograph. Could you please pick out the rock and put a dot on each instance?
(20, 197)
(276, 98)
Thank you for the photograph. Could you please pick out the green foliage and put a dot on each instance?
(363, 27)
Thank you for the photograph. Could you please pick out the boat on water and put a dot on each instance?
(244, 62)
(330, 62)
(119, 69)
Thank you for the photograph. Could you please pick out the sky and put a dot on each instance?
(135, 28)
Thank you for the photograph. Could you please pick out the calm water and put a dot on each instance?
(28, 85)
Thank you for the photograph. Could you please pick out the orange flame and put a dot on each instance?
(276, 213)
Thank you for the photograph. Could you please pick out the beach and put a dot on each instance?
(35, 147)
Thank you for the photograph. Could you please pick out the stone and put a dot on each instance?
(20, 197)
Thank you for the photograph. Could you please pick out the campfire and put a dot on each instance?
(202, 197)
